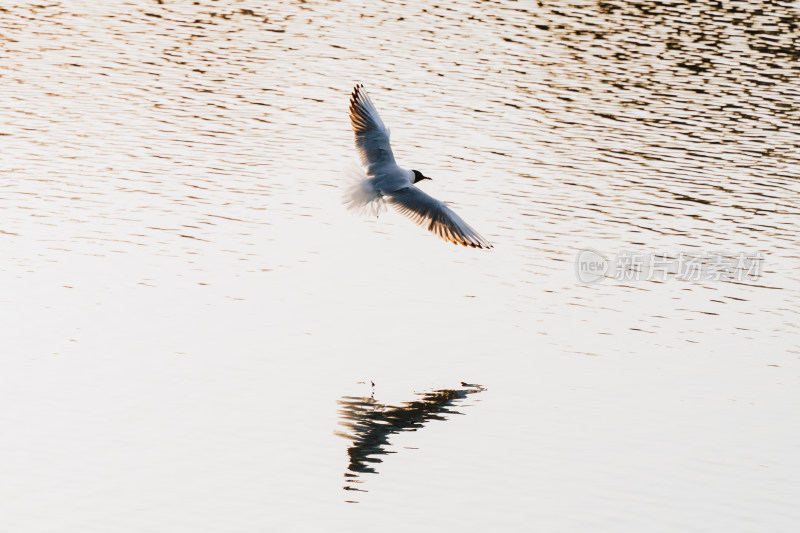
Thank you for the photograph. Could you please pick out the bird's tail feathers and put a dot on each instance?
(359, 194)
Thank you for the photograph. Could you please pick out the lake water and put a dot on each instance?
(197, 336)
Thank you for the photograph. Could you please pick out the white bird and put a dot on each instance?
(381, 181)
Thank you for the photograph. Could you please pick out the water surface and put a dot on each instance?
(188, 306)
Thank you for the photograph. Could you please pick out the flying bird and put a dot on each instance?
(379, 180)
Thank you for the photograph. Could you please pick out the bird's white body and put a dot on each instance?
(380, 180)
(387, 178)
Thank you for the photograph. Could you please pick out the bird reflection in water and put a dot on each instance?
(370, 423)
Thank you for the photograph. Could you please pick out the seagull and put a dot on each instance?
(378, 180)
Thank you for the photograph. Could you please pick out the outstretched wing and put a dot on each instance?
(372, 137)
(434, 214)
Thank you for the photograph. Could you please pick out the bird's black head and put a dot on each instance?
(419, 177)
